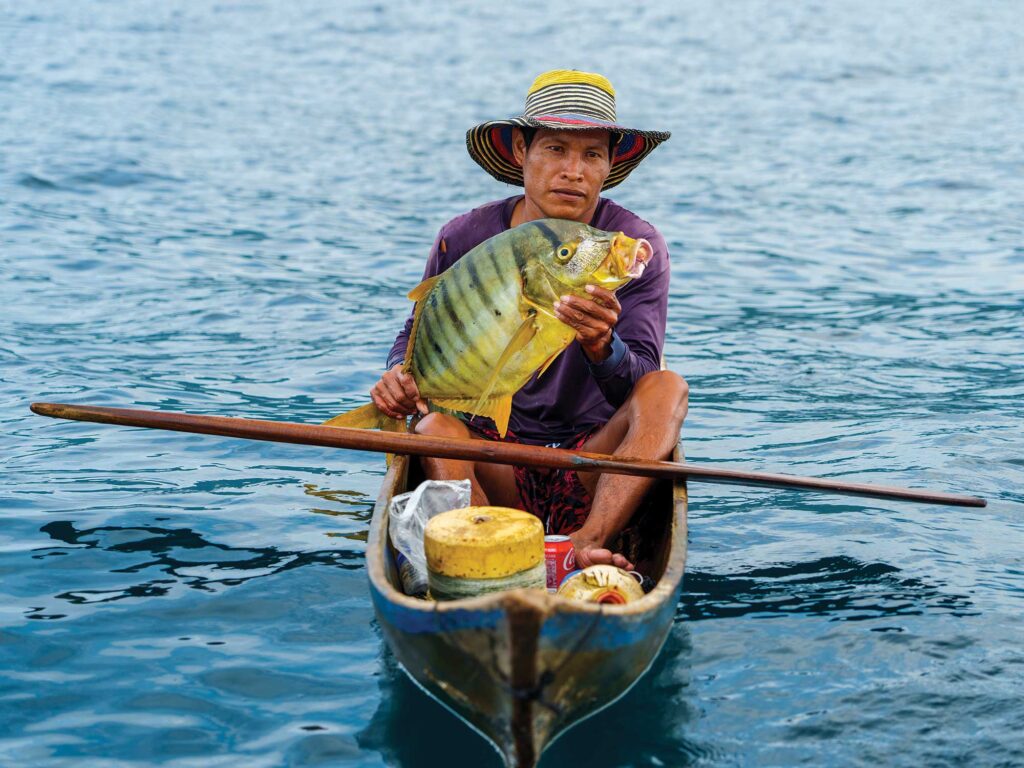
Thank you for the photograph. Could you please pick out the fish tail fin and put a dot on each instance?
(368, 416)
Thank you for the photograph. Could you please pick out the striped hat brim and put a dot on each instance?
(490, 144)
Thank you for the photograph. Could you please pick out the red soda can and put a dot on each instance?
(560, 559)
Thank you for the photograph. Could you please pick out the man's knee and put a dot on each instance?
(665, 384)
(663, 394)
(441, 425)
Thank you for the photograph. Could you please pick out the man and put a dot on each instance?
(606, 392)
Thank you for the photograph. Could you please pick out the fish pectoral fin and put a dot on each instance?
(530, 304)
(367, 416)
(523, 335)
(424, 288)
(547, 363)
(536, 291)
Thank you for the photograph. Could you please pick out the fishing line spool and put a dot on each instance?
(477, 550)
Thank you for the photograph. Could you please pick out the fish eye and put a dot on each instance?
(564, 253)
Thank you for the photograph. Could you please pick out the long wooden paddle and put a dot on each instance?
(477, 450)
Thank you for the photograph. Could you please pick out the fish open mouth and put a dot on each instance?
(630, 255)
(642, 254)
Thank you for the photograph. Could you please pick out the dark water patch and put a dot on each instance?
(838, 120)
(903, 211)
(937, 718)
(216, 317)
(72, 86)
(114, 177)
(81, 265)
(32, 181)
(837, 588)
(947, 185)
(248, 234)
(323, 749)
(189, 559)
(262, 684)
(296, 300)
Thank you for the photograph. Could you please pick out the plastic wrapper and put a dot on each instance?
(408, 515)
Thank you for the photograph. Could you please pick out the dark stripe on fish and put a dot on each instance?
(473, 295)
(491, 264)
(447, 337)
(432, 360)
(495, 260)
(439, 341)
(470, 354)
(549, 233)
(475, 282)
(436, 336)
(470, 332)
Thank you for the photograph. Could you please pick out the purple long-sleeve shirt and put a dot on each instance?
(573, 394)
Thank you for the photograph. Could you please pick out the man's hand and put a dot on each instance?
(397, 395)
(592, 319)
(588, 553)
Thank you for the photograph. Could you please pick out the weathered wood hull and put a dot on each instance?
(522, 666)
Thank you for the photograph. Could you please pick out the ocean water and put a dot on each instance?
(218, 208)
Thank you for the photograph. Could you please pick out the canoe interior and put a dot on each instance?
(647, 543)
(522, 666)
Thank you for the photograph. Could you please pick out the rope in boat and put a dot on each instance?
(453, 588)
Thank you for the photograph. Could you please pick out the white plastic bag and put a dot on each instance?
(408, 516)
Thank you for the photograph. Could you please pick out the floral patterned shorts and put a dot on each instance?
(556, 496)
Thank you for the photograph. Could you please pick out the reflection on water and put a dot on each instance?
(354, 506)
(413, 730)
(841, 588)
(173, 558)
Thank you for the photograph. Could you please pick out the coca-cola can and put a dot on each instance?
(560, 559)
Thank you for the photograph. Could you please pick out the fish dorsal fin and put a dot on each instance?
(498, 409)
(526, 331)
(424, 288)
(417, 294)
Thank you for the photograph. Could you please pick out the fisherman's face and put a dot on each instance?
(563, 172)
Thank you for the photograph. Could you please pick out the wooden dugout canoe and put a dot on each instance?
(520, 667)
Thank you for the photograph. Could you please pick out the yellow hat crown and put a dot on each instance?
(568, 92)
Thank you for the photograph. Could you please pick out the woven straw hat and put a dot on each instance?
(562, 99)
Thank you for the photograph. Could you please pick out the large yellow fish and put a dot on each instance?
(485, 325)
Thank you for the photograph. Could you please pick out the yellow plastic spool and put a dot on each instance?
(483, 549)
